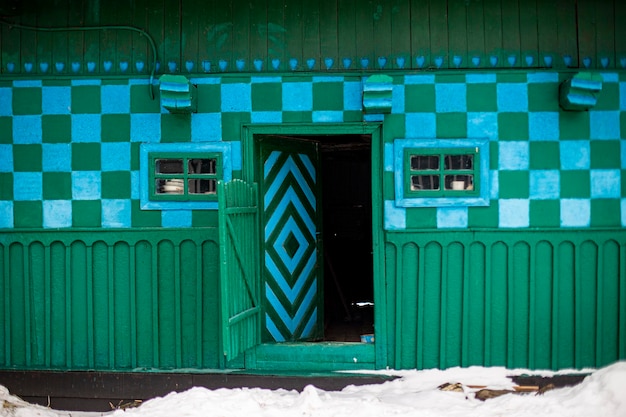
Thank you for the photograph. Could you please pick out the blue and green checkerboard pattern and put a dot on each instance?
(69, 149)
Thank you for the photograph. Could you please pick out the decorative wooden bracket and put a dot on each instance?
(178, 95)
(377, 92)
(580, 92)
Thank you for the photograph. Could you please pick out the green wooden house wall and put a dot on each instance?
(536, 279)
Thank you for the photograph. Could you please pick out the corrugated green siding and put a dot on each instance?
(109, 300)
(530, 300)
(284, 35)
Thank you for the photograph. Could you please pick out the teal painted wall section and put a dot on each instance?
(110, 301)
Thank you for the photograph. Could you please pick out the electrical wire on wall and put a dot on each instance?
(92, 28)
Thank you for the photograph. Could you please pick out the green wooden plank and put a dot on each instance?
(528, 33)
(171, 41)
(328, 34)
(568, 32)
(439, 34)
(108, 40)
(587, 26)
(276, 35)
(258, 35)
(476, 35)
(10, 42)
(75, 40)
(620, 34)
(547, 34)
(28, 42)
(207, 60)
(58, 17)
(156, 30)
(293, 34)
(420, 34)
(605, 35)
(44, 39)
(400, 53)
(311, 34)
(241, 37)
(124, 41)
(140, 60)
(493, 33)
(220, 37)
(457, 34)
(91, 39)
(346, 33)
(364, 35)
(511, 33)
(382, 35)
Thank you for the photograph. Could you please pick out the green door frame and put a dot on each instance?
(377, 170)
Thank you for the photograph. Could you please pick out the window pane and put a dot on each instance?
(169, 166)
(459, 162)
(203, 166)
(424, 162)
(173, 186)
(424, 182)
(202, 186)
(459, 182)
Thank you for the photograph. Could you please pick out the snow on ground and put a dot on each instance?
(415, 393)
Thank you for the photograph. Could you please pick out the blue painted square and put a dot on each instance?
(267, 117)
(115, 99)
(352, 95)
(298, 96)
(388, 157)
(623, 154)
(512, 97)
(56, 157)
(543, 77)
(544, 184)
(543, 125)
(420, 125)
(6, 156)
(146, 127)
(236, 97)
(56, 100)
(27, 129)
(622, 210)
(622, 96)
(610, 77)
(482, 125)
(116, 213)
(6, 101)
(86, 185)
(419, 79)
(206, 127)
(135, 181)
(513, 155)
(27, 186)
(604, 124)
(452, 217)
(575, 212)
(575, 154)
(115, 156)
(327, 116)
(176, 218)
(57, 213)
(514, 213)
(27, 83)
(234, 156)
(86, 128)
(494, 185)
(6, 214)
(605, 183)
(450, 98)
(395, 217)
(397, 99)
(480, 78)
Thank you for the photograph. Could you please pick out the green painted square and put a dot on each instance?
(513, 184)
(116, 184)
(86, 99)
(623, 183)
(6, 186)
(27, 214)
(134, 156)
(56, 128)
(493, 152)
(451, 125)
(511, 77)
(141, 102)
(26, 101)
(605, 213)
(27, 158)
(608, 99)
(421, 218)
(483, 216)
(57, 185)
(419, 98)
(574, 125)
(513, 126)
(231, 125)
(622, 123)
(482, 98)
(85, 157)
(327, 96)
(204, 218)
(605, 154)
(545, 213)
(176, 127)
(86, 213)
(575, 184)
(209, 98)
(6, 130)
(56, 82)
(449, 78)
(115, 128)
(267, 96)
(296, 116)
(543, 97)
(144, 218)
(394, 127)
(388, 185)
(545, 155)
(356, 116)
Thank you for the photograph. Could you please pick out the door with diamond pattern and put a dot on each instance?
(290, 236)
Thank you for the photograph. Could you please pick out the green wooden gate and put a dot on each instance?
(239, 278)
